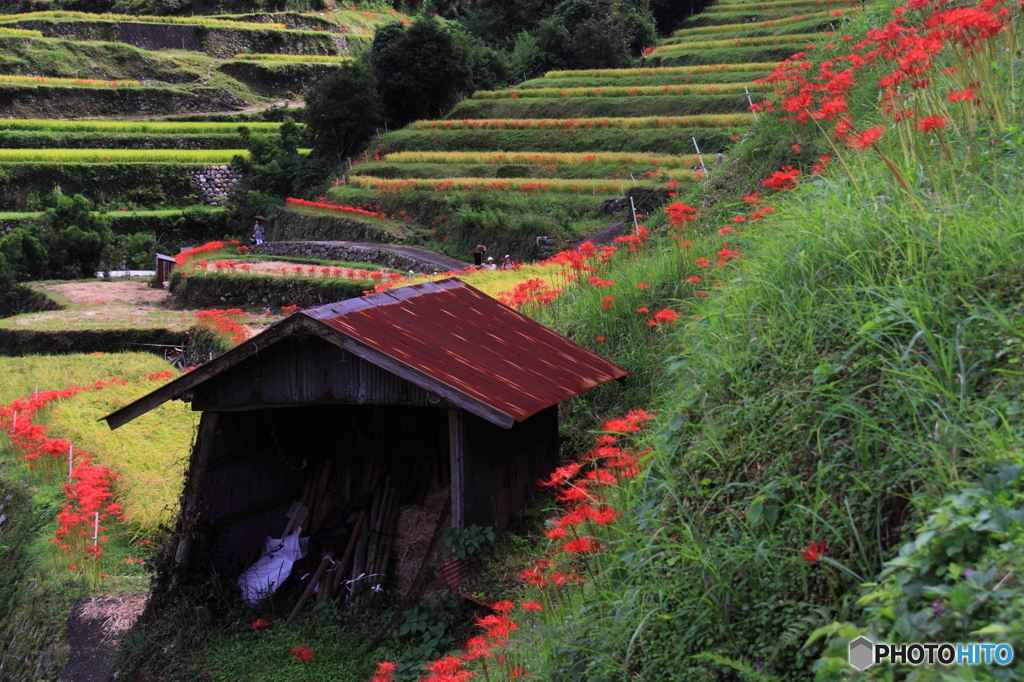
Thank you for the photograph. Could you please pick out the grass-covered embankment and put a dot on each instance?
(839, 435)
(38, 588)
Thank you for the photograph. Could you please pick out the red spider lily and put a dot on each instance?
(531, 606)
(666, 316)
(259, 624)
(930, 123)
(865, 139)
(582, 545)
(815, 551)
(302, 654)
(502, 606)
(783, 179)
(385, 672)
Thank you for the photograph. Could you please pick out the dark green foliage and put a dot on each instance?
(655, 140)
(69, 242)
(267, 175)
(343, 111)
(599, 107)
(32, 139)
(17, 342)
(253, 292)
(418, 69)
(23, 186)
(668, 14)
(583, 34)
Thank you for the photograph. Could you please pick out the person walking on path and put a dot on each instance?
(258, 229)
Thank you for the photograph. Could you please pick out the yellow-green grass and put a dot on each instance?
(393, 226)
(758, 25)
(152, 127)
(614, 91)
(159, 213)
(640, 122)
(310, 58)
(662, 71)
(183, 156)
(494, 282)
(100, 316)
(776, 4)
(85, 16)
(74, 82)
(20, 33)
(525, 185)
(737, 42)
(148, 455)
(189, 156)
(539, 158)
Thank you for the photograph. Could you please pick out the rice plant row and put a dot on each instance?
(69, 82)
(195, 21)
(701, 121)
(664, 71)
(20, 33)
(757, 25)
(736, 42)
(639, 91)
(777, 4)
(312, 58)
(184, 156)
(666, 161)
(526, 185)
(151, 127)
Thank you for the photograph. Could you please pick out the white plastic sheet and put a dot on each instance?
(272, 569)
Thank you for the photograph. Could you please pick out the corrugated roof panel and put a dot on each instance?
(458, 335)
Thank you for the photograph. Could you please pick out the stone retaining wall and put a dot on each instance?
(214, 182)
(355, 253)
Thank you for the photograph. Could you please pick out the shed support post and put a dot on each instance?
(457, 450)
(189, 513)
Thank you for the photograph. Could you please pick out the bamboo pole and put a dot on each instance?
(324, 563)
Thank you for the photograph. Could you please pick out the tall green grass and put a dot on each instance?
(858, 367)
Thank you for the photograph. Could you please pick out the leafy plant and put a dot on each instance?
(465, 543)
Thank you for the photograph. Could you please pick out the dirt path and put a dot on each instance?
(94, 631)
(86, 292)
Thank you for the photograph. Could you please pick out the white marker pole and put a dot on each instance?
(636, 225)
(751, 102)
(699, 155)
(96, 530)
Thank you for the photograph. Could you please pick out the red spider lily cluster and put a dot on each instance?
(341, 273)
(183, 257)
(335, 207)
(88, 488)
(582, 487)
(225, 322)
(530, 294)
(910, 49)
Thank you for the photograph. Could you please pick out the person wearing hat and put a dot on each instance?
(506, 262)
(257, 230)
(490, 263)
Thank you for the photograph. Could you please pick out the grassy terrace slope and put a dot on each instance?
(506, 167)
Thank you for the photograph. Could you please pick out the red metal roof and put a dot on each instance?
(469, 341)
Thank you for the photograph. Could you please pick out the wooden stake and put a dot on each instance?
(324, 563)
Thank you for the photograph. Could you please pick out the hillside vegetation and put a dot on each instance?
(809, 229)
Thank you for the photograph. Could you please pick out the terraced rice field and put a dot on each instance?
(608, 132)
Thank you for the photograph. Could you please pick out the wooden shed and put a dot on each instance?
(164, 265)
(428, 387)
